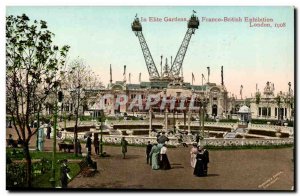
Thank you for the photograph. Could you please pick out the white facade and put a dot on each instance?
(274, 107)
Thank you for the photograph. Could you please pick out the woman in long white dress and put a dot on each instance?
(193, 152)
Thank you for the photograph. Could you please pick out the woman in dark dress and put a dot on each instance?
(164, 164)
(199, 168)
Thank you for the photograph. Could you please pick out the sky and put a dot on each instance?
(249, 55)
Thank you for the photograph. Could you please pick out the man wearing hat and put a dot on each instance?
(205, 160)
(124, 144)
(148, 150)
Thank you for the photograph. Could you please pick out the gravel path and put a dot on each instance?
(270, 169)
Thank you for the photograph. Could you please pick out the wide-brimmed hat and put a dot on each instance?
(200, 147)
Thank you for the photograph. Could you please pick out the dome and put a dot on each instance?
(244, 109)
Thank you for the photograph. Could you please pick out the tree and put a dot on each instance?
(79, 80)
(32, 69)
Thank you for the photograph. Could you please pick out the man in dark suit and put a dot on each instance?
(64, 174)
(205, 160)
(197, 138)
(89, 145)
(148, 150)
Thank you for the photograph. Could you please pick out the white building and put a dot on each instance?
(267, 105)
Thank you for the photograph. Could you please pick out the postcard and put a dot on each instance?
(147, 98)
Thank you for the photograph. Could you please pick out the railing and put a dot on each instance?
(247, 142)
(173, 140)
(193, 123)
(272, 127)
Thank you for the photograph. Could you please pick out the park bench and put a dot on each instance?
(85, 169)
(14, 143)
(65, 147)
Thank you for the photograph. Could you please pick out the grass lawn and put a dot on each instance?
(42, 180)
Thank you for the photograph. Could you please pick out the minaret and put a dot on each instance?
(208, 73)
(124, 74)
(140, 77)
(110, 74)
(161, 72)
(129, 78)
(170, 67)
(222, 79)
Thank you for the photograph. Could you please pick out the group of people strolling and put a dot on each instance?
(157, 156)
(89, 144)
(199, 160)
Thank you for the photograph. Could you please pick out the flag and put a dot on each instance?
(203, 76)
(194, 11)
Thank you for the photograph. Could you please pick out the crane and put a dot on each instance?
(193, 24)
(137, 29)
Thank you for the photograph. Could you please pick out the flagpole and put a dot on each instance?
(208, 73)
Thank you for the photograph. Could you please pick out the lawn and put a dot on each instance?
(41, 180)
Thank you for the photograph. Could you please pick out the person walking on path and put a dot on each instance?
(199, 167)
(197, 139)
(96, 145)
(163, 138)
(64, 174)
(165, 164)
(193, 152)
(88, 145)
(124, 144)
(148, 150)
(48, 131)
(205, 160)
(154, 154)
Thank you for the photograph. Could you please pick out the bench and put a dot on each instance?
(65, 147)
(12, 143)
(83, 164)
(85, 169)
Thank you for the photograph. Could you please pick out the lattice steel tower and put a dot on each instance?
(174, 73)
(137, 28)
(193, 24)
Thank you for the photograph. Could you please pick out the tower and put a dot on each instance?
(110, 74)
